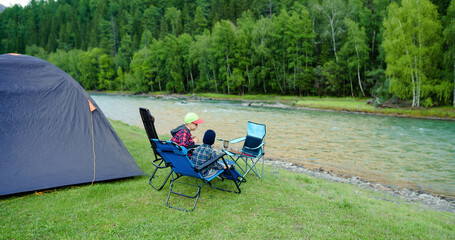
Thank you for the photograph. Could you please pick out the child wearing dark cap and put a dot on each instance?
(204, 153)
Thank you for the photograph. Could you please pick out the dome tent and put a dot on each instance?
(52, 133)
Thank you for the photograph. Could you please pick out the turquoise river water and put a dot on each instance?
(399, 152)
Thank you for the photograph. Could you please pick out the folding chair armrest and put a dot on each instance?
(237, 140)
(216, 158)
(262, 144)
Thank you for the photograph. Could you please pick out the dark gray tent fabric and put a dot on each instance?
(46, 131)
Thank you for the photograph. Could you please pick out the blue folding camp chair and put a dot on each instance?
(182, 166)
(159, 164)
(252, 151)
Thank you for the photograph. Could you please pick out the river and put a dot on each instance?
(399, 152)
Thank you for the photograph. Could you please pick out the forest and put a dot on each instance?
(358, 48)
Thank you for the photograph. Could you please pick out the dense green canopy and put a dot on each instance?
(310, 47)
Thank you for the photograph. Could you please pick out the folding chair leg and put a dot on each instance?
(164, 182)
(254, 168)
(157, 167)
(250, 166)
(196, 197)
(237, 184)
(239, 165)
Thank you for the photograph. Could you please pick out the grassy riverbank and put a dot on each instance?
(348, 104)
(283, 205)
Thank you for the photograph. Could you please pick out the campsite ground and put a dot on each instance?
(285, 205)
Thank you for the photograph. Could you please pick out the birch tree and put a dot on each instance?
(202, 58)
(333, 12)
(278, 53)
(260, 42)
(224, 50)
(244, 51)
(299, 48)
(173, 17)
(412, 43)
(142, 71)
(355, 49)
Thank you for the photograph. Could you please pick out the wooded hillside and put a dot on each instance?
(309, 47)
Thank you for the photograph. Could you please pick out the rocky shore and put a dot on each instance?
(426, 200)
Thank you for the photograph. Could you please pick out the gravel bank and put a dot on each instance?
(401, 195)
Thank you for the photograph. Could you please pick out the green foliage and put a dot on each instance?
(413, 47)
(331, 73)
(223, 50)
(428, 102)
(125, 52)
(381, 89)
(200, 22)
(355, 50)
(88, 66)
(141, 70)
(106, 73)
(34, 50)
(330, 47)
(120, 80)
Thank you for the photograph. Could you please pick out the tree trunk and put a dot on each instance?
(332, 30)
(277, 79)
(229, 72)
(159, 82)
(249, 79)
(295, 76)
(145, 46)
(410, 68)
(333, 40)
(263, 81)
(358, 69)
(216, 85)
(176, 24)
(350, 80)
(419, 64)
(416, 88)
(208, 79)
(284, 69)
(372, 42)
(192, 81)
(114, 33)
(418, 84)
(270, 7)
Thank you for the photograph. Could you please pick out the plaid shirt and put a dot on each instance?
(183, 138)
(201, 155)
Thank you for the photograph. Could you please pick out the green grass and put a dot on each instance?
(283, 205)
(348, 104)
(344, 104)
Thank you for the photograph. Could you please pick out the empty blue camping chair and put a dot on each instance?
(252, 151)
(182, 166)
(159, 164)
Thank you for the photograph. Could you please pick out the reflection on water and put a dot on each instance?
(412, 153)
